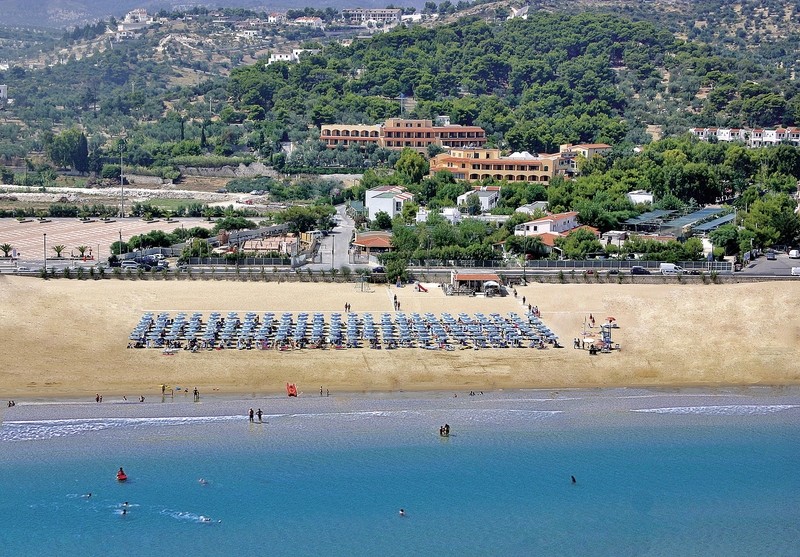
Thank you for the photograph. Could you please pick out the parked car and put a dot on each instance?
(129, 265)
(796, 271)
(771, 255)
(794, 254)
(636, 270)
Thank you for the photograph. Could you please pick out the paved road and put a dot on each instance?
(761, 266)
(334, 247)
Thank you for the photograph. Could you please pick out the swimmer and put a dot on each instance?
(402, 512)
(204, 519)
(574, 480)
(87, 495)
(124, 511)
(202, 481)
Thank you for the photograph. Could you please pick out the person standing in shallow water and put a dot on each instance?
(259, 414)
(251, 413)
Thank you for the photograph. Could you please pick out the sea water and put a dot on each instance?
(689, 473)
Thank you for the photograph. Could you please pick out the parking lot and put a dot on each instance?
(28, 238)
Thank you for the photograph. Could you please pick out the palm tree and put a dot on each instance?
(6, 249)
(82, 250)
(58, 249)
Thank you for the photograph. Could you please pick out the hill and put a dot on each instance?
(65, 13)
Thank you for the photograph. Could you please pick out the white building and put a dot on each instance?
(450, 214)
(639, 196)
(280, 57)
(364, 16)
(531, 208)
(293, 56)
(389, 199)
(3, 93)
(488, 196)
(276, 18)
(249, 34)
(135, 20)
(752, 137)
(551, 224)
(314, 22)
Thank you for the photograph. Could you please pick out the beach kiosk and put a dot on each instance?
(488, 283)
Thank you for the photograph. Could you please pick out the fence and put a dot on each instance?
(707, 266)
(243, 262)
(463, 263)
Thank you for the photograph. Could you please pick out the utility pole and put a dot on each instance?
(45, 252)
(121, 181)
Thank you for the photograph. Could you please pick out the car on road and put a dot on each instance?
(796, 271)
(771, 255)
(636, 270)
(794, 254)
(129, 265)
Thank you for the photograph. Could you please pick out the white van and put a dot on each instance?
(670, 269)
(129, 265)
(796, 271)
(794, 254)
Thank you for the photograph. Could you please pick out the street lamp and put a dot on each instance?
(44, 235)
(120, 243)
(121, 180)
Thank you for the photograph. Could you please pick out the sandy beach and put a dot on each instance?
(68, 338)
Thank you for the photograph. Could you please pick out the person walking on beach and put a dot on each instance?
(251, 415)
(320, 390)
(259, 414)
(196, 395)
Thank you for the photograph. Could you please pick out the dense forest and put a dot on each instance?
(532, 84)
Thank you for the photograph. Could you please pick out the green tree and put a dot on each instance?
(6, 249)
(411, 166)
(473, 204)
(382, 220)
(771, 219)
(727, 238)
(80, 157)
(578, 243)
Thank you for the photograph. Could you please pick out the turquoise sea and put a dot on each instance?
(657, 473)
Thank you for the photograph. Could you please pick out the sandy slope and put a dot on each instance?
(65, 337)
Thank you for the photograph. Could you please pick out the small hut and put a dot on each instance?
(488, 283)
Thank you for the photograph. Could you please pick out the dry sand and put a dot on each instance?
(68, 338)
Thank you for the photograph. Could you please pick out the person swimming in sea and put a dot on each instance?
(574, 480)
(402, 512)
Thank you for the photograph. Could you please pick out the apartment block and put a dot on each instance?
(752, 137)
(399, 133)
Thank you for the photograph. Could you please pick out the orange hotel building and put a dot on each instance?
(399, 133)
(477, 163)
